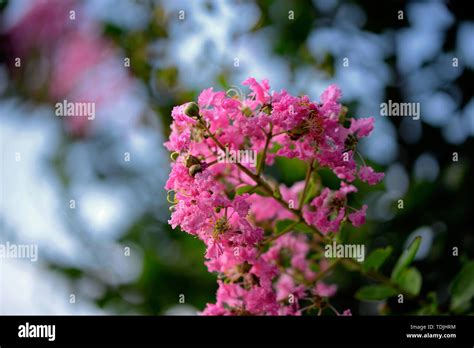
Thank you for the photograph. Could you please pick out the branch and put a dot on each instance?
(261, 164)
(306, 184)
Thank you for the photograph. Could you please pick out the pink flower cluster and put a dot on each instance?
(77, 63)
(260, 273)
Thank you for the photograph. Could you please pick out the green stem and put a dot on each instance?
(306, 184)
(261, 164)
(285, 231)
(379, 278)
(324, 273)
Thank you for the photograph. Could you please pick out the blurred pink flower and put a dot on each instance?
(80, 65)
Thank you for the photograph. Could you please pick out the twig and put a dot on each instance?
(261, 164)
(306, 184)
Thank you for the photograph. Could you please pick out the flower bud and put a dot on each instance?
(320, 302)
(221, 226)
(342, 114)
(192, 110)
(245, 267)
(267, 108)
(194, 169)
(351, 142)
(297, 132)
(247, 111)
(190, 160)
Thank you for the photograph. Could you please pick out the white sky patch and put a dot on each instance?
(34, 209)
(29, 191)
(27, 289)
(104, 210)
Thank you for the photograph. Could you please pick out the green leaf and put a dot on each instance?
(283, 225)
(462, 287)
(314, 186)
(244, 189)
(406, 258)
(302, 227)
(410, 281)
(431, 306)
(251, 189)
(376, 259)
(291, 169)
(375, 292)
(261, 192)
(276, 191)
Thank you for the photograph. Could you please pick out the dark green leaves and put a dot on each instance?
(462, 287)
(375, 292)
(410, 281)
(376, 259)
(302, 227)
(314, 186)
(406, 258)
(244, 189)
(403, 279)
(284, 225)
(251, 189)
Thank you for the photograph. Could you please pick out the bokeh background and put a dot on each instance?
(114, 167)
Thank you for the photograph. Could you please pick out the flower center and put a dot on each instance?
(221, 226)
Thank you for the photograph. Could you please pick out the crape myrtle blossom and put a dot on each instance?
(328, 210)
(238, 211)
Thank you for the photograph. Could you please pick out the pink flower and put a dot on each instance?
(325, 290)
(260, 273)
(259, 91)
(42, 24)
(358, 218)
(362, 126)
(327, 216)
(330, 98)
(368, 175)
(81, 65)
(179, 141)
(288, 111)
(240, 205)
(261, 301)
(267, 208)
(329, 209)
(294, 247)
(286, 287)
(209, 98)
(264, 271)
(214, 310)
